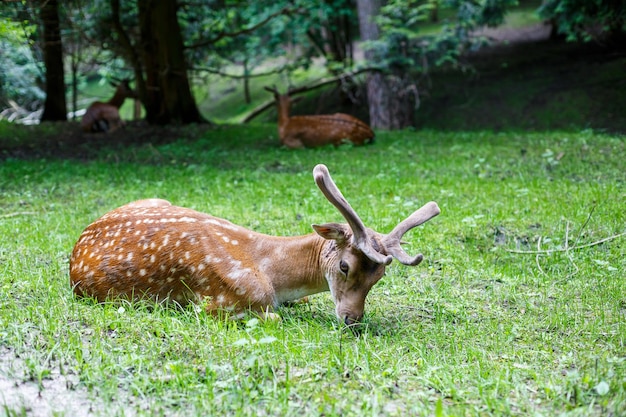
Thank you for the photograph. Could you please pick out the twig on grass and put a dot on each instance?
(537, 257)
(566, 249)
(17, 213)
(568, 252)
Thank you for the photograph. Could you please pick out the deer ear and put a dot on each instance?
(331, 231)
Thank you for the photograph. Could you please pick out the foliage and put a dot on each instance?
(404, 49)
(20, 72)
(584, 20)
(476, 330)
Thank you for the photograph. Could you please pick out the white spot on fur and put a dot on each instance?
(142, 272)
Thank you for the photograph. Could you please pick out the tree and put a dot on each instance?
(391, 98)
(55, 107)
(402, 55)
(158, 61)
(585, 20)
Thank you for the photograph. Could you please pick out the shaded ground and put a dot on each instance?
(527, 82)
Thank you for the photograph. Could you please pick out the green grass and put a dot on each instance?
(475, 330)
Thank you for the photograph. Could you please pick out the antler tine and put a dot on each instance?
(332, 194)
(393, 240)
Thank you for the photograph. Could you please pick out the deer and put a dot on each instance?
(317, 130)
(105, 116)
(153, 249)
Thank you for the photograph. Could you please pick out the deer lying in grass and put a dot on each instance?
(153, 249)
(318, 130)
(105, 117)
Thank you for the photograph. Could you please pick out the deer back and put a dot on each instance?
(335, 129)
(153, 249)
(318, 130)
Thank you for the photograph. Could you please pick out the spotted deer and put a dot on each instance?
(317, 130)
(105, 116)
(150, 248)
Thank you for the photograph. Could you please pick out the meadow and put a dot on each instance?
(519, 307)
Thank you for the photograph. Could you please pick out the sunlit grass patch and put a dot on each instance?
(479, 328)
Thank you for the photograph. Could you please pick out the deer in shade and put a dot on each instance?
(318, 130)
(105, 116)
(150, 248)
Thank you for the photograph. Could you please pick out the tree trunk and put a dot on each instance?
(391, 97)
(55, 107)
(166, 68)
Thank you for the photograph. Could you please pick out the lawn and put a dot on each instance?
(481, 327)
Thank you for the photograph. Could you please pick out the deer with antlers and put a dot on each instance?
(105, 116)
(153, 249)
(318, 130)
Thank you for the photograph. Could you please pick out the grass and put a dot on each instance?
(475, 330)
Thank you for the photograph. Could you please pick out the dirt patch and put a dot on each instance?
(20, 394)
(506, 36)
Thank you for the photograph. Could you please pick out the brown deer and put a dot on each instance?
(318, 130)
(150, 248)
(105, 117)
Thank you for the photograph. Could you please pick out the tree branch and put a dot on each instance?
(241, 77)
(223, 34)
(293, 91)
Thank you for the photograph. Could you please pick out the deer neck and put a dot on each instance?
(118, 99)
(294, 265)
(284, 105)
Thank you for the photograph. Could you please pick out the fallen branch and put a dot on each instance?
(17, 213)
(549, 251)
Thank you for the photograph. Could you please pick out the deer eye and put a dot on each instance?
(343, 266)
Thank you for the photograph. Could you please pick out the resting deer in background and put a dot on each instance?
(105, 117)
(318, 130)
(153, 249)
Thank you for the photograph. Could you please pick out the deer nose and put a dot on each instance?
(351, 321)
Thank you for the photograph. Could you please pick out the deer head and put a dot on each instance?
(359, 255)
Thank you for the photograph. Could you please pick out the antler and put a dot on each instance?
(359, 233)
(392, 241)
